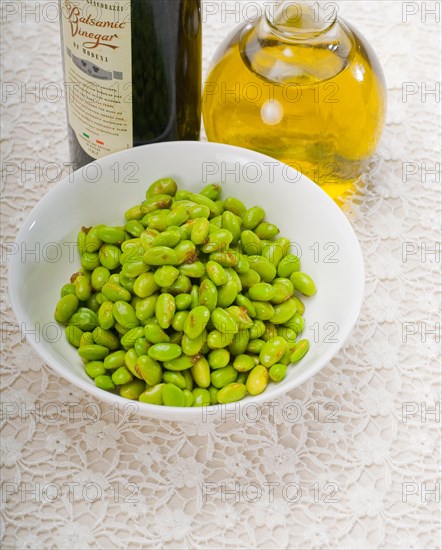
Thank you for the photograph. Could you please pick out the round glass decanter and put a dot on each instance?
(302, 86)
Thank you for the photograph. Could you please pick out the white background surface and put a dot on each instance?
(77, 477)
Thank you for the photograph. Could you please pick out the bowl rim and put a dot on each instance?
(193, 413)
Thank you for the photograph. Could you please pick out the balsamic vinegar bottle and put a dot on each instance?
(132, 73)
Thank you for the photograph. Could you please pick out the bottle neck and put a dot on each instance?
(300, 20)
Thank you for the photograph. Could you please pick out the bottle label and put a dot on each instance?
(98, 73)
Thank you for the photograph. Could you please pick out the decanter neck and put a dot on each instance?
(301, 19)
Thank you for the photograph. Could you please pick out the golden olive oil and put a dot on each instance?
(315, 103)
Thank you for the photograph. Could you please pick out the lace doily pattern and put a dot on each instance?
(347, 460)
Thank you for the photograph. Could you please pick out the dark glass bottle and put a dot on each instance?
(132, 73)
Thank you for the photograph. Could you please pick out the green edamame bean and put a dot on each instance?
(177, 216)
(252, 217)
(181, 363)
(178, 320)
(173, 396)
(121, 376)
(160, 255)
(266, 231)
(165, 310)
(153, 395)
(198, 211)
(232, 204)
(84, 318)
(93, 352)
(90, 260)
(232, 223)
(265, 269)
(93, 241)
(277, 372)
(145, 285)
(300, 307)
(226, 258)
(217, 241)
(273, 252)
(212, 191)
(176, 378)
(82, 284)
(66, 308)
(243, 301)
(166, 275)
(219, 340)
(243, 363)
(73, 336)
(149, 370)
(288, 265)
(272, 351)
(188, 398)
(182, 301)
(270, 332)
(132, 390)
(182, 285)
(141, 346)
(67, 289)
(221, 377)
(156, 220)
(145, 308)
(109, 255)
(289, 335)
(208, 294)
(134, 228)
(251, 243)
(94, 369)
(239, 342)
(193, 346)
(196, 321)
(200, 230)
(218, 359)
(99, 277)
(262, 292)
(156, 202)
(115, 360)
(240, 315)
(134, 268)
(146, 238)
(296, 323)
(104, 382)
(216, 273)
(201, 397)
(264, 310)
(81, 239)
(134, 213)
(303, 283)
(224, 322)
(257, 329)
(185, 252)
(283, 290)
(125, 314)
(105, 338)
(167, 238)
(301, 348)
(163, 186)
(201, 373)
(231, 392)
(111, 235)
(213, 395)
(249, 279)
(283, 312)
(255, 346)
(131, 336)
(155, 334)
(114, 292)
(164, 352)
(86, 339)
(227, 294)
(257, 380)
(195, 269)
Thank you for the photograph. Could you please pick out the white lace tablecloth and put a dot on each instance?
(355, 463)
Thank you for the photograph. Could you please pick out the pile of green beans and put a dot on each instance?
(193, 302)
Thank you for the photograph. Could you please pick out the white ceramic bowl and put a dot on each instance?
(100, 193)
